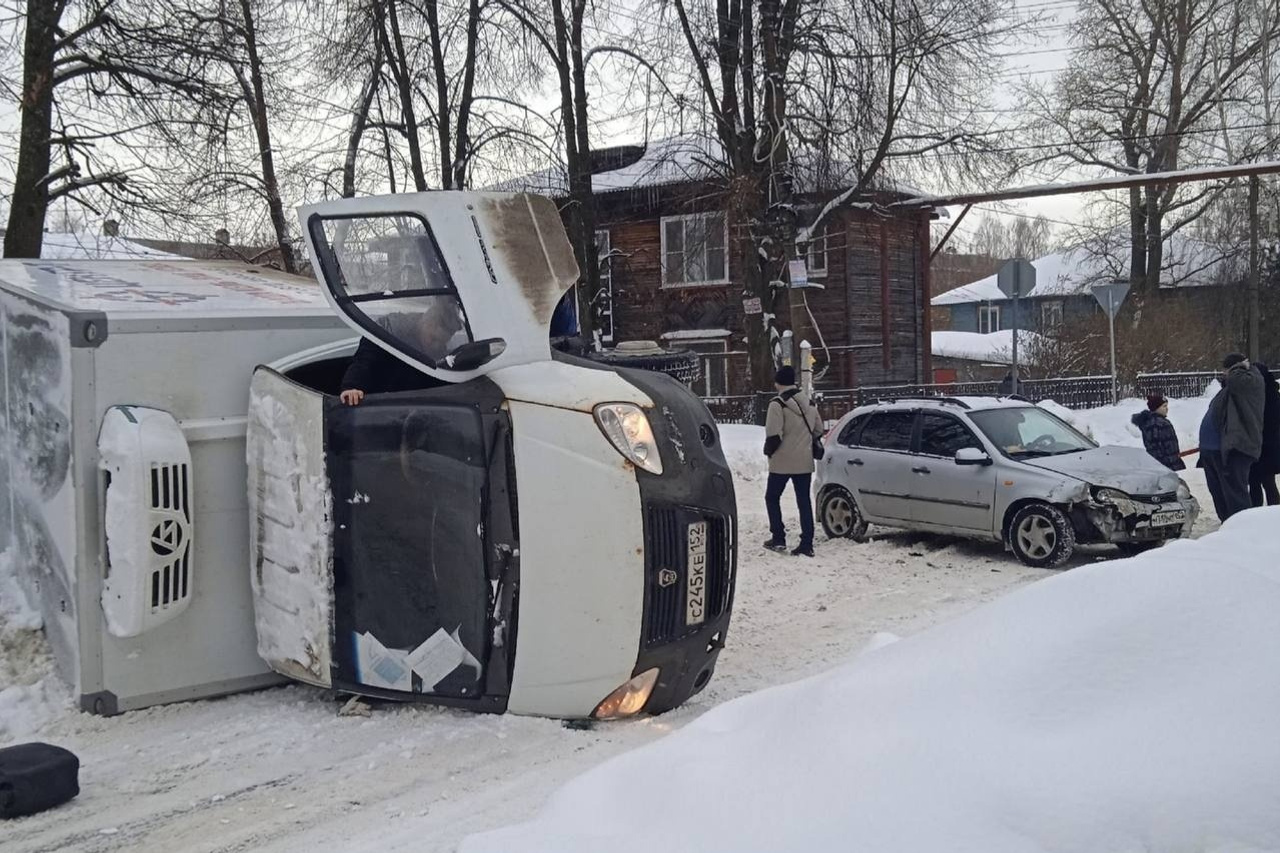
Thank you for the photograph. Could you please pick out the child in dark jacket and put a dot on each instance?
(1158, 435)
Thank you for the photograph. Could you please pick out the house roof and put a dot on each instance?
(677, 160)
(90, 246)
(1187, 263)
(993, 348)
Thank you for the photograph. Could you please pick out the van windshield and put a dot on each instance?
(386, 273)
(1024, 432)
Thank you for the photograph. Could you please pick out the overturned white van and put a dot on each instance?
(522, 532)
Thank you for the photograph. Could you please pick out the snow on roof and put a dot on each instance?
(695, 334)
(1187, 263)
(158, 287)
(995, 347)
(682, 159)
(87, 246)
(1122, 705)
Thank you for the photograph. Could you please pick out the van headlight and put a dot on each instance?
(628, 700)
(627, 427)
(1116, 498)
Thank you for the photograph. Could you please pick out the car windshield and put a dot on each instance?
(1023, 432)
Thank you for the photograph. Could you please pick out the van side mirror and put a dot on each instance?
(972, 456)
(472, 355)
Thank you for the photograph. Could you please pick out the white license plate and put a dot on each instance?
(695, 602)
(1163, 519)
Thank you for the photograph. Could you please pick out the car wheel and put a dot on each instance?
(1130, 549)
(840, 516)
(1041, 536)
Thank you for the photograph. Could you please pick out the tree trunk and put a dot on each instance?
(462, 141)
(579, 167)
(360, 123)
(261, 125)
(399, 63)
(589, 257)
(29, 204)
(444, 131)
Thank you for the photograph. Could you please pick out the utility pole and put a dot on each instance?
(1254, 344)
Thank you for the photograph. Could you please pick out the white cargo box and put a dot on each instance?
(122, 463)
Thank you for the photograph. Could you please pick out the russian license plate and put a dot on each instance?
(1163, 519)
(695, 602)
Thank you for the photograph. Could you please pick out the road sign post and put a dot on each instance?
(1016, 278)
(1111, 297)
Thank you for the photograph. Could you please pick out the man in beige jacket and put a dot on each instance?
(790, 428)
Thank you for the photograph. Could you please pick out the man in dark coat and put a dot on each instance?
(374, 370)
(1158, 435)
(1231, 435)
(1262, 476)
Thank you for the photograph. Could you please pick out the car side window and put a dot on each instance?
(889, 431)
(849, 435)
(943, 435)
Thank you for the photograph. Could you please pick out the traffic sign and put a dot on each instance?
(1111, 296)
(1016, 278)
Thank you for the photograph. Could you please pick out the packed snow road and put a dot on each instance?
(282, 770)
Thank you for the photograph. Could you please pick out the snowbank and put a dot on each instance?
(1126, 705)
(744, 451)
(30, 692)
(1113, 424)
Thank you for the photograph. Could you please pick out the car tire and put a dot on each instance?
(1132, 549)
(1041, 536)
(840, 516)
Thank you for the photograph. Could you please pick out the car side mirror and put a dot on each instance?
(972, 456)
(472, 355)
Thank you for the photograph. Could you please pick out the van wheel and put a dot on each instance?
(1041, 536)
(841, 517)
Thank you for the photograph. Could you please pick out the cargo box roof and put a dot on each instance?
(136, 288)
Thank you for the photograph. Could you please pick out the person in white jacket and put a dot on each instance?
(791, 425)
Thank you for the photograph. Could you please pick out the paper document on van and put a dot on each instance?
(440, 655)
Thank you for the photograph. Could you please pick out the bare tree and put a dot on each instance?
(853, 91)
(104, 84)
(1023, 237)
(1143, 92)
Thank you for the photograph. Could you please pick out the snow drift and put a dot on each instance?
(1127, 705)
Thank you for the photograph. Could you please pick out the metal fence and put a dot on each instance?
(1074, 392)
(1174, 385)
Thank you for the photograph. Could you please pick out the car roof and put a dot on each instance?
(945, 404)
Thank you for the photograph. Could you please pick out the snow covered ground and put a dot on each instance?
(1122, 706)
(281, 770)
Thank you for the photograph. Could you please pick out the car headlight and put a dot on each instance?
(628, 700)
(627, 427)
(1184, 491)
(1116, 498)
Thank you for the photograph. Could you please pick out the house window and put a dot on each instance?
(1051, 314)
(816, 257)
(604, 249)
(693, 250)
(988, 319)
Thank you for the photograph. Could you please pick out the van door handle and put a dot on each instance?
(854, 462)
(920, 470)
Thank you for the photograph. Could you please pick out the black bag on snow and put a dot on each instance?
(35, 777)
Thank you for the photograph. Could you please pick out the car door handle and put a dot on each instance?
(853, 462)
(920, 470)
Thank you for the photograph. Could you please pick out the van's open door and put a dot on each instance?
(457, 284)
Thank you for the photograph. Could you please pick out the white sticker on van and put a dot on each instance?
(440, 655)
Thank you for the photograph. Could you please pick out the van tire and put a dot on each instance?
(840, 516)
(1041, 536)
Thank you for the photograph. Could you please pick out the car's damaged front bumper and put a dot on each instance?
(1109, 516)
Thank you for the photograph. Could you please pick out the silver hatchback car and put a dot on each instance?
(996, 469)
